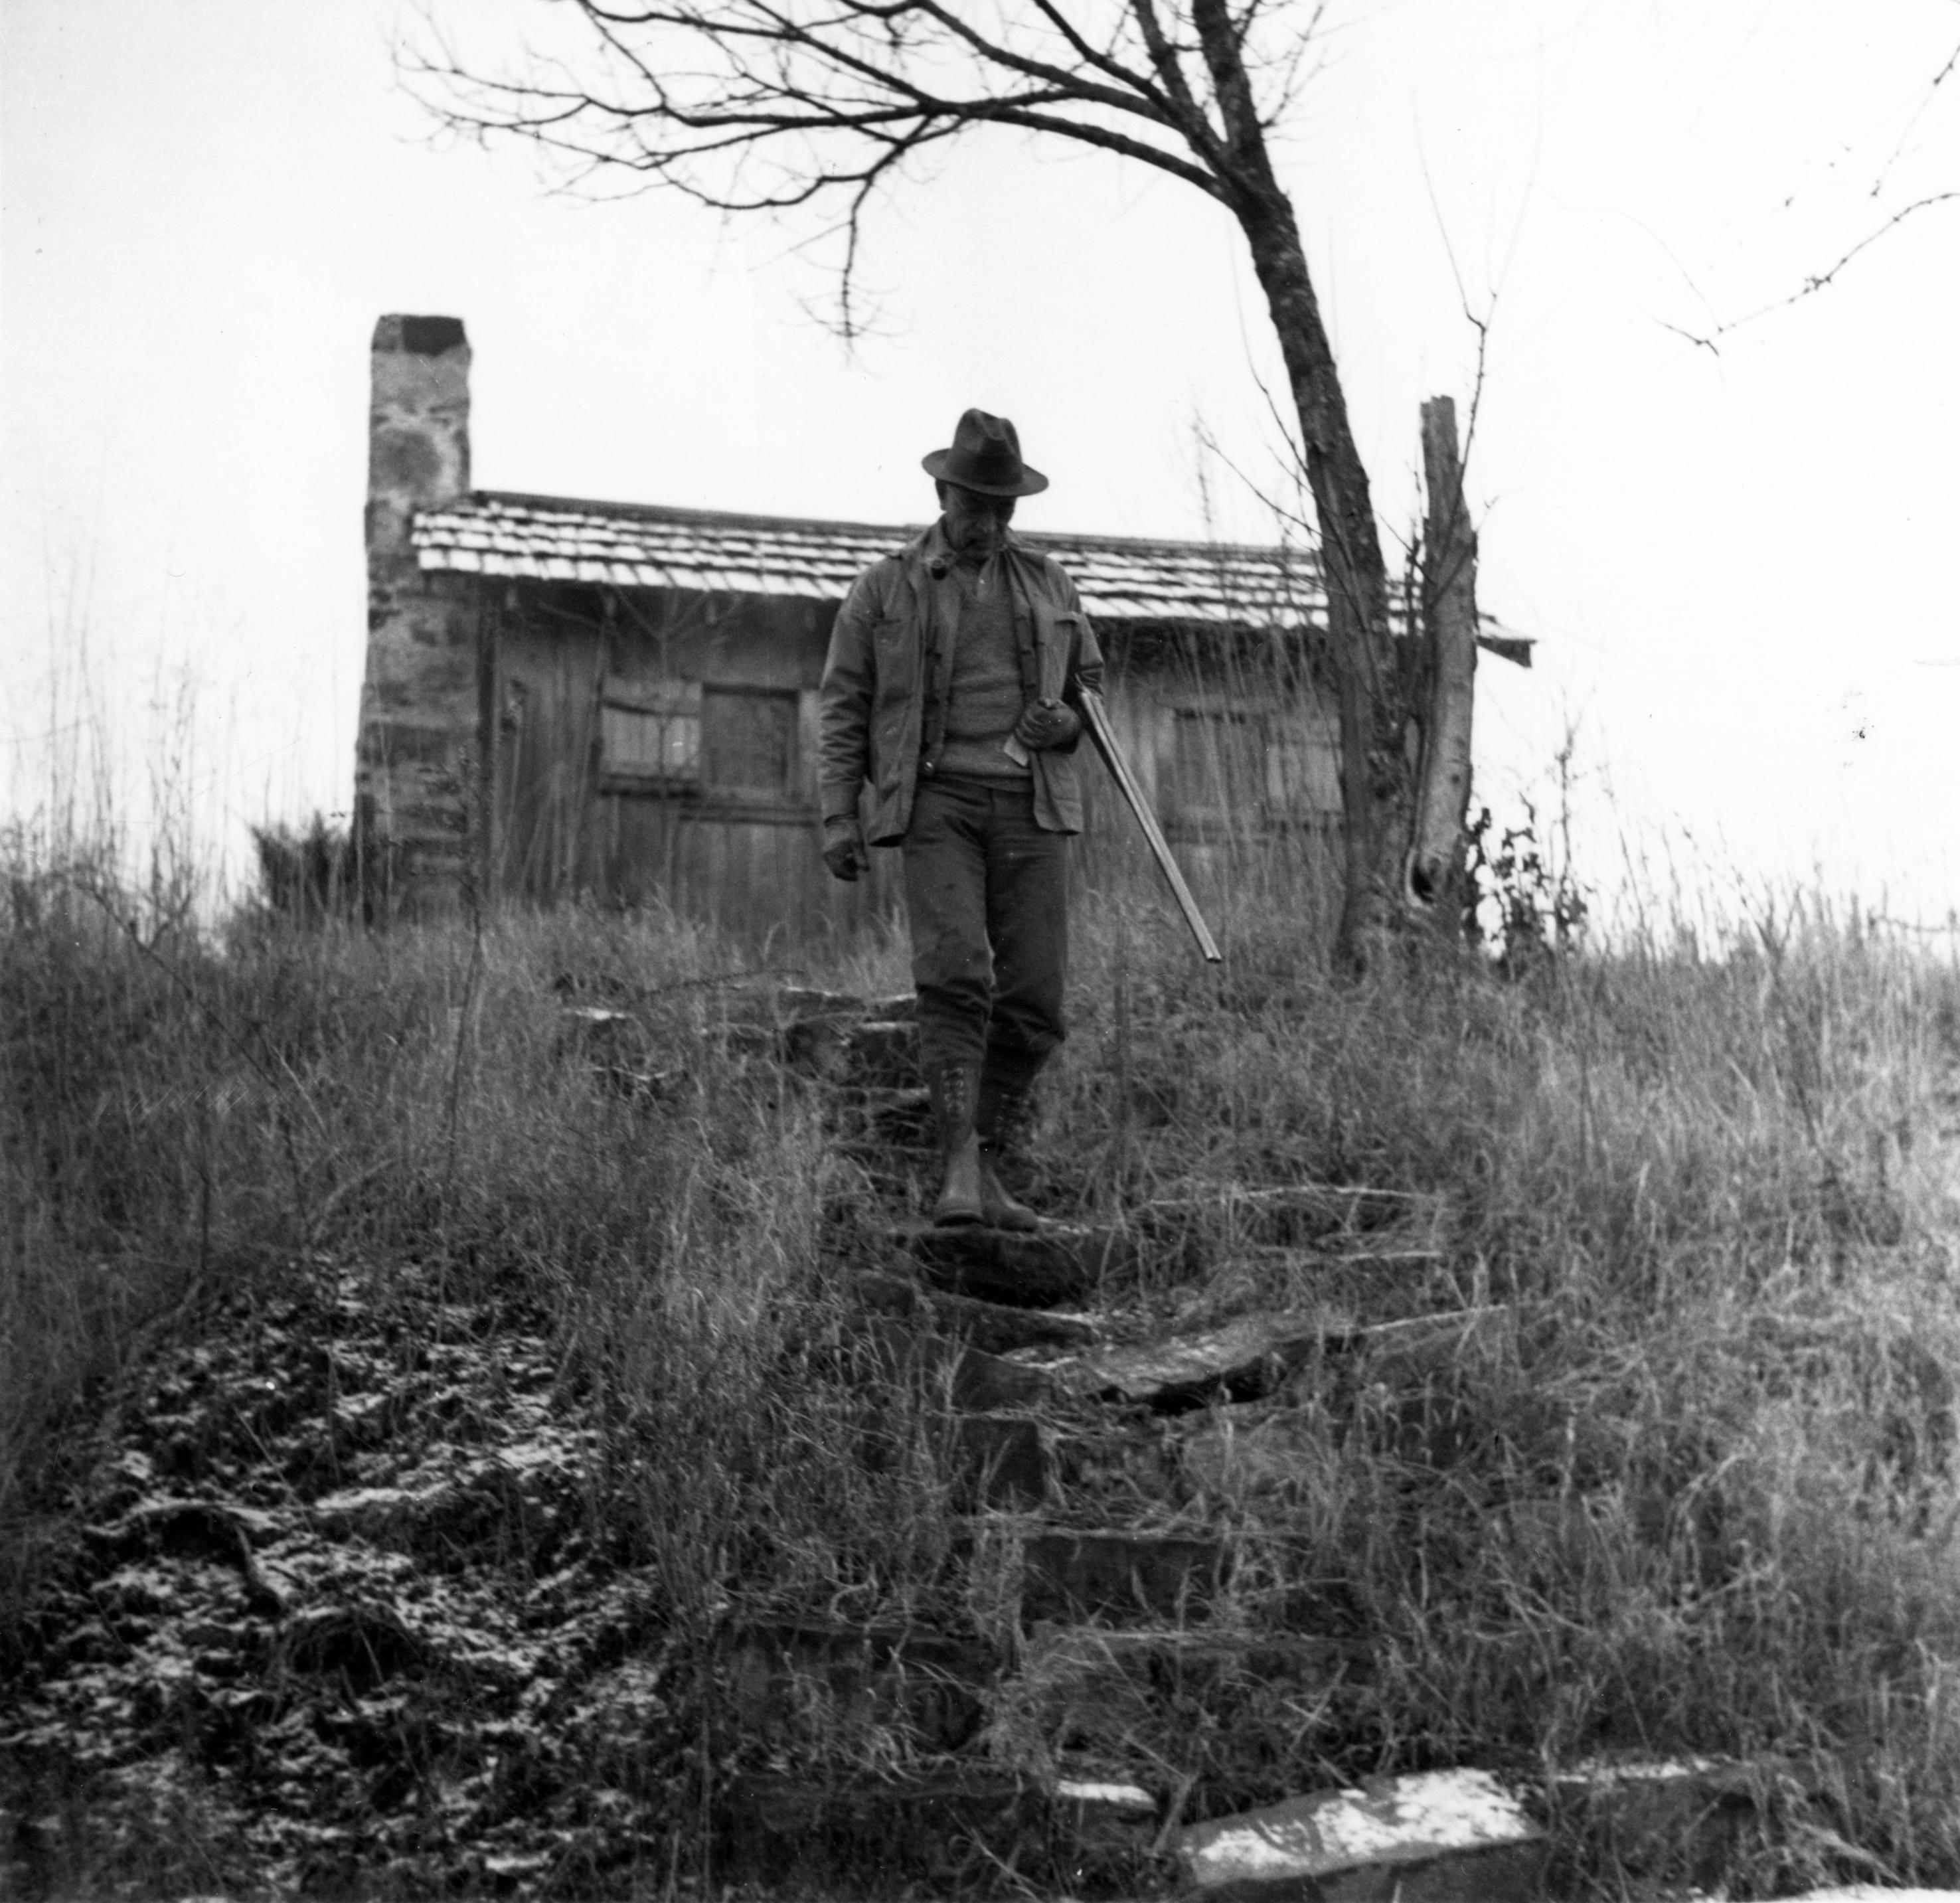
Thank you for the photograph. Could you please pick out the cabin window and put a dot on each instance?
(650, 735)
(1222, 767)
(748, 743)
(1304, 773)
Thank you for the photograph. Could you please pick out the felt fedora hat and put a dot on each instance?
(985, 457)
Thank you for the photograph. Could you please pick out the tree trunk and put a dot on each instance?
(1437, 875)
(1377, 773)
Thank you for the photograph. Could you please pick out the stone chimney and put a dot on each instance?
(415, 759)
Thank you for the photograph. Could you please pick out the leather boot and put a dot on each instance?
(955, 1088)
(1005, 1110)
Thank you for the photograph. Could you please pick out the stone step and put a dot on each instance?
(1418, 1345)
(1244, 1359)
(1255, 1355)
(797, 1002)
(971, 1380)
(990, 1325)
(1436, 1837)
(1285, 1214)
(1387, 1379)
(1002, 1459)
(983, 1384)
(1267, 1457)
(1669, 1822)
(895, 1117)
(1069, 1574)
(1122, 1693)
(953, 1825)
(796, 1683)
(846, 1047)
(779, 1826)
(1106, 1820)
(1117, 1458)
(883, 1051)
(1059, 1265)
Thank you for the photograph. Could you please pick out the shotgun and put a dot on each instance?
(1097, 717)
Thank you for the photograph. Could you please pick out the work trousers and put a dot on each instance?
(987, 889)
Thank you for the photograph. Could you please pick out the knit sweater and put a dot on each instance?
(984, 697)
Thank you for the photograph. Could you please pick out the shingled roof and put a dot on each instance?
(550, 538)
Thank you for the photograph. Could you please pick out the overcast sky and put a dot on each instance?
(1737, 560)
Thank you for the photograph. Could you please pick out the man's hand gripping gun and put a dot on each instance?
(1096, 716)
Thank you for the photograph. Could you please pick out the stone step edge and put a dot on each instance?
(1464, 1819)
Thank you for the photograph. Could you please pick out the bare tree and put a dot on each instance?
(779, 106)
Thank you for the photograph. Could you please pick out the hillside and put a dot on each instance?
(482, 1418)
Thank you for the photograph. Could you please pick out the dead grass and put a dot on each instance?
(1700, 1492)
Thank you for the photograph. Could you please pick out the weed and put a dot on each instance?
(1697, 1493)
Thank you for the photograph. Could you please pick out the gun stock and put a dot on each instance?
(1097, 717)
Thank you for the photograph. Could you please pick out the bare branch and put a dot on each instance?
(1811, 285)
(1938, 80)
(1197, 129)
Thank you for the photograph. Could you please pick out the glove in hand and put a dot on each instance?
(844, 849)
(1047, 723)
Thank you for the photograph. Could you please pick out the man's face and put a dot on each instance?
(974, 521)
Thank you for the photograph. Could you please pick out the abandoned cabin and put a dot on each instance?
(620, 701)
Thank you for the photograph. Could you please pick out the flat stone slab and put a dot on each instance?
(983, 1384)
(1104, 1817)
(1002, 1459)
(1243, 1360)
(1285, 1213)
(1419, 1343)
(1679, 1819)
(1000, 1330)
(972, 1380)
(1103, 1688)
(897, 1117)
(1268, 1455)
(1253, 1356)
(844, 1044)
(1094, 1794)
(1056, 1266)
(795, 1683)
(882, 1051)
(991, 1326)
(778, 1825)
(1067, 1574)
(1439, 1837)
(800, 1001)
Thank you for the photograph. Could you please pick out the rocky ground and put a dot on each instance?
(343, 1613)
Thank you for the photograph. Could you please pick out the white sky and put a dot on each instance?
(1739, 564)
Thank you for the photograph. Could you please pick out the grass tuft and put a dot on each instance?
(1697, 1492)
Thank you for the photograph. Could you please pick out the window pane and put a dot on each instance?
(1303, 775)
(650, 746)
(748, 739)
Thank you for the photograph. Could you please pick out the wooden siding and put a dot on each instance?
(707, 798)
(736, 838)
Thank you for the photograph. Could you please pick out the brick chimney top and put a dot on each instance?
(417, 424)
(418, 336)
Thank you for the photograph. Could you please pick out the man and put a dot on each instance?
(945, 691)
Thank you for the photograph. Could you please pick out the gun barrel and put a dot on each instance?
(1097, 717)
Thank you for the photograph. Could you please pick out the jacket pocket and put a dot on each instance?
(1058, 652)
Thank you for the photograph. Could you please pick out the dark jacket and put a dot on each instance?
(882, 702)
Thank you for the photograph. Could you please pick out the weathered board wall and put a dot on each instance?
(1236, 740)
(661, 747)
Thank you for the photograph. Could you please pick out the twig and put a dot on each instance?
(218, 1019)
(1811, 285)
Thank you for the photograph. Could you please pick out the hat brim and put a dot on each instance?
(1032, 483)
